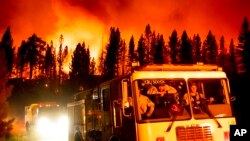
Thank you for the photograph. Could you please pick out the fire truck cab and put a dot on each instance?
(112, 110)
(46, 119)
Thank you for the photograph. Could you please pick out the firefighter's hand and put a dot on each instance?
(211, 100)
(148, 114)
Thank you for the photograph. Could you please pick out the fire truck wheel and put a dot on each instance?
(114, 138)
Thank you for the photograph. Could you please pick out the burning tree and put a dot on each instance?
(5, 90)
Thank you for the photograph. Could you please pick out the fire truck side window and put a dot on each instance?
(214, 89)
(106, 99)
(27, 110)
(34, 111)
(78, 114)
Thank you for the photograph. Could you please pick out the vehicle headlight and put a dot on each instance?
(63, 120)
(43, 122)
(56, 127)
(43, 125)
(62, 126)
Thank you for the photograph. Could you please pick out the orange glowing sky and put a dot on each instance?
(89, 21)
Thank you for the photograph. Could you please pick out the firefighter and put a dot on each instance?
(78, 135)
(146, 106)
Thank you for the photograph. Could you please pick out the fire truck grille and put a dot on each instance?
(194, 133)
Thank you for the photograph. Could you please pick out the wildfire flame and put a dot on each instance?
(77, 26)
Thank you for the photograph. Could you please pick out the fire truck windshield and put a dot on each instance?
(164, 96)
(52, 110)
(211, 99)
(163, 99)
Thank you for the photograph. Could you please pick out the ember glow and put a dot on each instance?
(89, 21)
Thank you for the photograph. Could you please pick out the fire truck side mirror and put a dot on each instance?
(125, 98)
(232, 98)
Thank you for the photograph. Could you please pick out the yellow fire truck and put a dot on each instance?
(46, 120)
(111, 111)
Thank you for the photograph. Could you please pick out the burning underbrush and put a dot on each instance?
(18, 127)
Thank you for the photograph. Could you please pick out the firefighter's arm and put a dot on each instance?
(171, 89)
(208, 100)
(186, 99)
(151, 107)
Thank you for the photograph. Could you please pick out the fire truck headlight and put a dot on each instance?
(56, 128)
(43, 122)
(63, 120)
(62, 124)
(42, 125)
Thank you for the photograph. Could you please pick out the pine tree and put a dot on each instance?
(231, 65)
(148, 41)
(174, 47)
(49, 61)
(34, 47)
(222, 52)
(210, 49)
(86, 63)
(122, 59)
(132, 49)
(185, 49)
(7, 45)
(65, 58)
(141, 51)
(244, 45)
(76, 61)
(101, 66)
(131, 54)
(21, 58)
(80, 65)
(196, 49)
(159, 51)
(54, 62)
(111, 64)
(60, 60)
(92, 68)
(153, 46)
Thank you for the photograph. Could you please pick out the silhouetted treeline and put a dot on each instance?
(35, 58)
